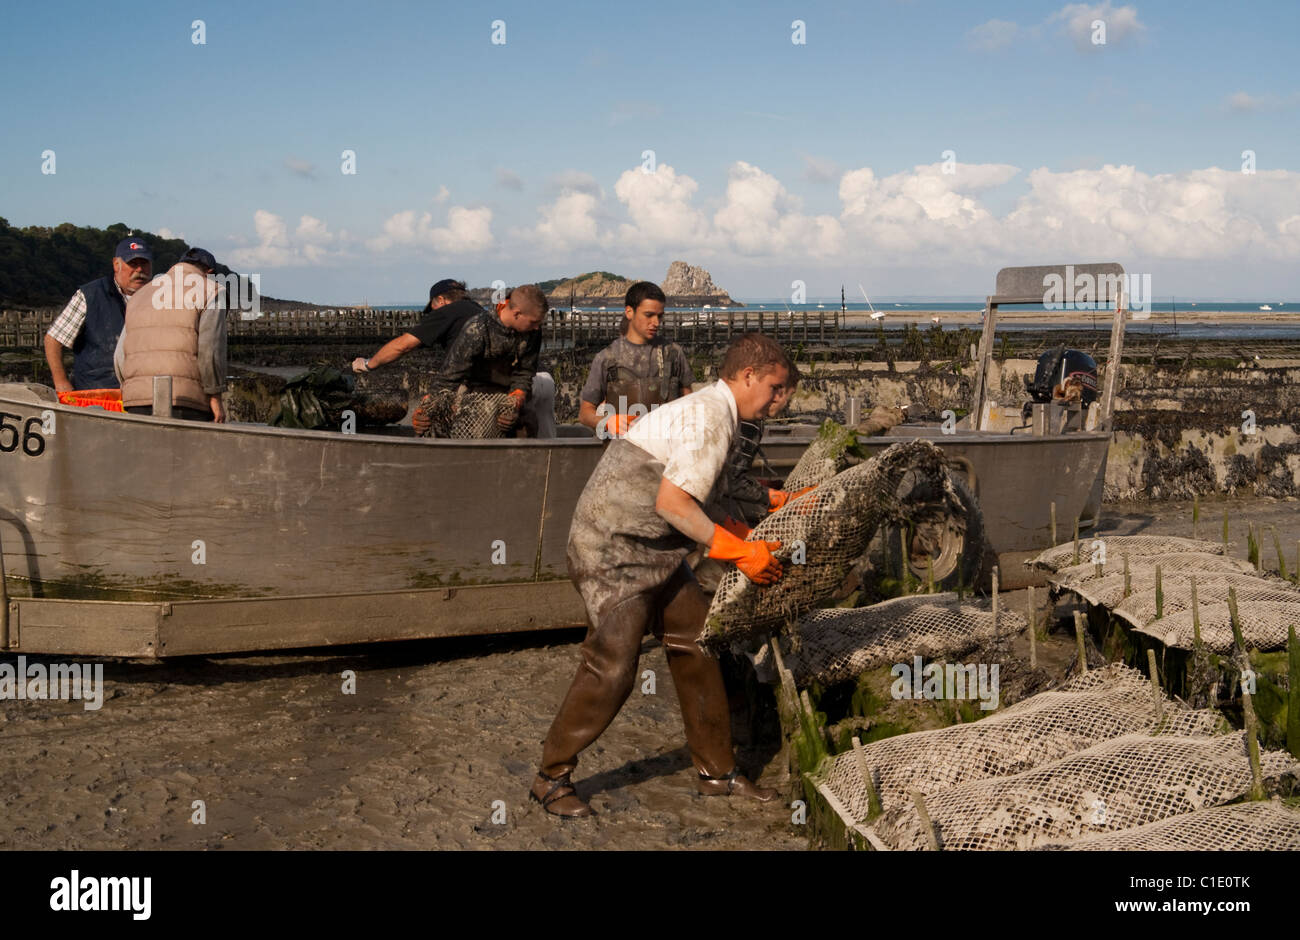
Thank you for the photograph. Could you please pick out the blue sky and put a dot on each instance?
(825, 161)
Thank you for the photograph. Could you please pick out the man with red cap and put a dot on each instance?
(92, 321)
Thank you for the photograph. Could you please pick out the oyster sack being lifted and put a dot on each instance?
(829, 528)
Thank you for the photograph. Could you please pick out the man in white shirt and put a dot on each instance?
(637, 519)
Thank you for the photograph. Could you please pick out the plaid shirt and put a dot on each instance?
(67, 326)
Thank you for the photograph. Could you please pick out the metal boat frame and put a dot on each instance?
(316, 538)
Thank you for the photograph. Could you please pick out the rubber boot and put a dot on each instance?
(701, 692)
(603, 682)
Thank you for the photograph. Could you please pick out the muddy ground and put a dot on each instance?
(435, 733)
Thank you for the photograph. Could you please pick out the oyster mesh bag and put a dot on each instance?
(1176, 591)
(834, 523)
(1263, 626)
(464, 414)
(1135, 546)
(1143, 568)
(1118, 784)
(836, 645)
(826, 456)
(1257, 827)
(1091, 708)
(1139, 608)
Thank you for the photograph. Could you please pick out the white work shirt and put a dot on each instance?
(691, 437)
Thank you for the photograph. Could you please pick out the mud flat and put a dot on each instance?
(434, 734)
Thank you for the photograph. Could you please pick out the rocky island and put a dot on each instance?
(685, 285)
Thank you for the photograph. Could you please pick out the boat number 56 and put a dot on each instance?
(33, 443)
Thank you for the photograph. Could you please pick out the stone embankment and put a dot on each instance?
(1179, 431)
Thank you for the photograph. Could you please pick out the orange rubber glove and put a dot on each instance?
(510, 413)
(614, 425)
(778, 498)
(736, 527)
(754, 559)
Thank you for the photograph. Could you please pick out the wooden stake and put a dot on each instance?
(807, 705)
(1293, 701)
(1076, 541)
(1160, 595)
(873, 798)
(1155, 685)
(906, 559)
(1078, 635)
(1196, 617)
(1033, 630)
(995, 600)
(1054, 542)
(1128, 583)
(1252, 745)
(784, 676)
(1281, 559)
(1196, 516)
(919, 799)
(1247, 703)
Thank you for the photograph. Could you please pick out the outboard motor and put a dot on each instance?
(1063, 375)
(1061, 371)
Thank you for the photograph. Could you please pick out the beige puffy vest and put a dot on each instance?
(162, 337)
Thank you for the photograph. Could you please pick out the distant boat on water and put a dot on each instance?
(1266, 307)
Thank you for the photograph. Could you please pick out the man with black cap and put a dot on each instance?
(176, 326)
(449, 308)
(92, 320)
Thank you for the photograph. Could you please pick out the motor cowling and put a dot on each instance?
(1064, 375)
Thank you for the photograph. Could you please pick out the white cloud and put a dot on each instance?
(312, 243)
(659, 205)
(759, 217)
(575, 181)
(442, 195)
(301, 168)
(1078, 18)
(1244, 102)
(909, 211)
(468, 231)
(165, 232)
(820, 170)
(568, 223)
(992, 35)
(1115, 212)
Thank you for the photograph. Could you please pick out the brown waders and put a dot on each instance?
(675, 612)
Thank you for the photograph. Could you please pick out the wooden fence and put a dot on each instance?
(25, 329)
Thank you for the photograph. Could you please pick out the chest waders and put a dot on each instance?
(625, 387)
(628, 565)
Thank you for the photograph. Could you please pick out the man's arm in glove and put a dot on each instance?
(680, 510)
(778, 498)
(509, 414)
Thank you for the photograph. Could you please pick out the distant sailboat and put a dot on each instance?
(875, 314)
(1266, 307)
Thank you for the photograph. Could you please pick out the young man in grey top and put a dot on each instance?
(637, 371)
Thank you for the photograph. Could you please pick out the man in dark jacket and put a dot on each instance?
(449, 308)
(498, 353)
(92, 320)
